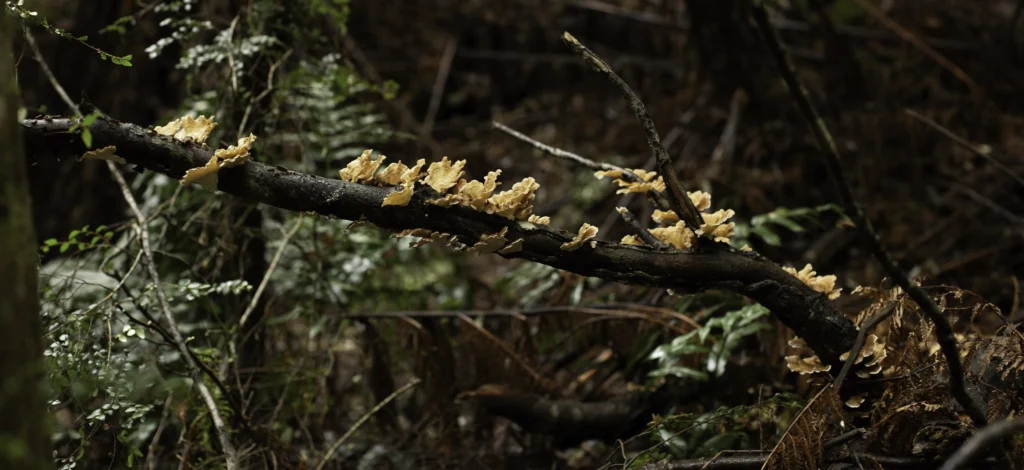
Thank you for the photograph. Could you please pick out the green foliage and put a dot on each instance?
(84, 124)
(706, 434)
(314, 111)
(16, 7)
(725, 332)
(81, 239)
(765, 226)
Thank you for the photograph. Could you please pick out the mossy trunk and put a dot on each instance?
(24, 442)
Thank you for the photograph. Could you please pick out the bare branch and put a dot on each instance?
(678, 200)
(809, 313)
(640, 230)
(984, 438)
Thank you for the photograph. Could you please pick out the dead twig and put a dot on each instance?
(438, 92)
(270, 270)
(975, 149)
(362, 420)
(640, 230)
(678, 200)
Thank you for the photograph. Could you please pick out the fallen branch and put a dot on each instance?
(714, 266)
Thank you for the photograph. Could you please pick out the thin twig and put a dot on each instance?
(830, 156)
(585, 162)
(31, 40)
(565, 154)
(677, 197)
(270, 270)
(859, 342)
(437, 93)
(230, 455)
(843, 438)
(640, 230)
(363, 419)
(504, 347)
(263, 94)
(965, 144)
(985, 437)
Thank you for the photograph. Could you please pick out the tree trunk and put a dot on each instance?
(24, 443)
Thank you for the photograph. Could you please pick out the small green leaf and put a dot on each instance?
(74, 233)
(64, 247)
(87, 138)
(51, 242)
(768, 235)
(101, 228)
(46, 249)
(88, 120)
(127, 58)
(83, 38)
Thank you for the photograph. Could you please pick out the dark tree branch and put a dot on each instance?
(831, 158)
(678, 200)
(983, 439)
(640, 230)
(715, 266)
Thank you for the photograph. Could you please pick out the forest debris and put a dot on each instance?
(105, 153)
(443, 175)
(362, 169)
(586, 232)
(188, 129)
(824, 284)
(409, 177)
